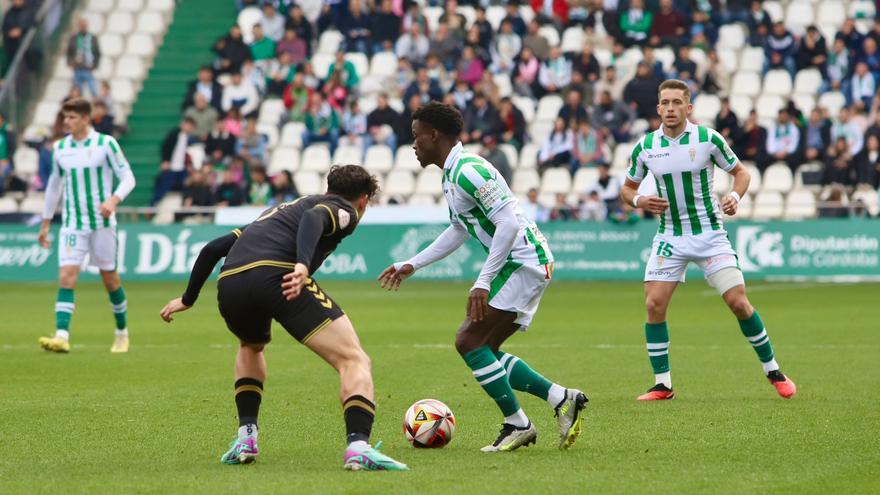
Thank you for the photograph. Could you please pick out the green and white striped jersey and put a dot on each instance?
(474, 191)
(684, 169)
(86, 169)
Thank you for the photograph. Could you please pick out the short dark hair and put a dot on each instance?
(445, 118)
(676, 84)
(351, 182)
(79, 106)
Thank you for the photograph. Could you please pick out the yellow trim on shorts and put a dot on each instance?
(332, 218)
(317, 329)
(279, 264)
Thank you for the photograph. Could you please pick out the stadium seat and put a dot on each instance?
(62, 70)
(778, 177)
(775, 10)
(196, 154)
(495, 14)
(399, 183)
(284, 158)
(799, 15)
(603, 55)
(807, 82)
(741, 105)
(270, 131)
(572, 40)
(291, 134)
(130, 67)
(166, 208)
(728, 58)
(622, 155)
(429, 182)
(308, 182)
(751, 59)
(584, 178)
(432, 15)
(528, 156)
(321, 63)
(141, 44)
(525, 105)
(525, 179)
(862, 9)
(800, 204)
(830, 12)
(502, 82)
(361, 63)
(379, 158)
(768, 106)
(348, 155)
(151, 22)
(8, 205)
(511, 153)
(768, 205)
(469, 14)
(26, 160)
(731, 37)
(271, 111)
(665, 56)
(869, 198)
(721, 182)
(421, 200)
(813, 171)
(111, 44)
(383, 65)
(746, 84)
(106, 69)
(163, 6)
(57, 90)
(777, 82)
(123, 91)
(130, 5)
(550, 34)
(755, 183)
(95, 21)
(33, 203)
(104, 6)
(330, 42)
(316, 157)
(367, 103)
(540, 129)
(833, 101)
(473, 148)
(743, 210)
(706, 108)
(556, 180)
(548, 108)
(246, 20)
(45, 113)
(120, 23)
(405, 159)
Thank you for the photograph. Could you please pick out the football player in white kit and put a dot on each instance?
(683, 157)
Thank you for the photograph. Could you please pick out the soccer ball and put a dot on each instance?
(429, 423)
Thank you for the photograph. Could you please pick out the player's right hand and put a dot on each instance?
(391, 278)
(293, 282)
(43, 238)
(174, 306)
(654, 204)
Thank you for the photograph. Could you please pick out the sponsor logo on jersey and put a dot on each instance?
(658, 155)
(344, 219)
(490, 193)
(693, 153)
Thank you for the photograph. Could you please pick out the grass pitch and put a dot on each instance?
(157, 419)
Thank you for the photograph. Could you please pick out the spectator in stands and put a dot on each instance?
(532, 208)
(272, 23)
(279, 74)
(839, 164)
(812, 52)
(252, 145)
(832, 205)
(782, 142)
(555, 73)
(356, 28)
(817, 136)
(283, 188)
(779, 50)
(554, 12)
(231, 52)
(611, 83)
(480, 119)
(862, 87)
(334, 91)
(487, 32)
(469, 68)
(870, 56)
(18, 19)
(587, 64)
(591, 207)
(294, 46)
(220, 144)
(535, 41)
(717, 79)
(380, 124)
(751, 143)
(297, 21)
(588, 151)
(255, 75)
(445, 46)
(497, 157)
(759, 24)
(173, 168)
(852, 38)
(242, 94)
(260, 191)
(525, 78)
(608, 188)
(472, 39)
(83, 56)
(578, 85)
(669, 27)
(197, 190)
(322, 123)
(556, 151)
(413, 15)
(354, 126)
(573, 112)
(635, 23)
(513, 124)
(262, 48)
(230, 192)
(512, 14)
(562, 211)
(424, 87)
(726, 122)
(7, 149)
(838, 66)
(296, 98)
(641, 92)
(613, 118)
(232, 121)
(45, 164)
(404, 123)
(683, 62)
(867, 163)
(204, 115)
(653, 64)
(437, 72)
(457, 23)
(413, 45)
(847, 129)
(207, 87)
(506, 48)
(385, 27)
(101, 120)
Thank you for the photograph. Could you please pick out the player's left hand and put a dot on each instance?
(108, 207)
(293, 282)
(478, 304)
(174, 306)
(729, 205)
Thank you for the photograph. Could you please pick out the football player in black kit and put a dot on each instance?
(266, 276)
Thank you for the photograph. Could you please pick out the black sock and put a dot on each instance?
(248, 394)
(359, 413)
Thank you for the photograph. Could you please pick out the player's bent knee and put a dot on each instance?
(726, 279)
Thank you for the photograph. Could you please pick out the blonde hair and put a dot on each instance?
(675, 84)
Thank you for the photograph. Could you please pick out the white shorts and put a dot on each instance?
(522, 292)
(98, 245)
(670, 255)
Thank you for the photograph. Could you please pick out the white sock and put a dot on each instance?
(359, 444)
(770, 366)
(517, 419)
(122, 333)
(62, 334)
(664, 378)
(556, 395)
(248, 430)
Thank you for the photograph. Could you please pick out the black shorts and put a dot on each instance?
(250, 300)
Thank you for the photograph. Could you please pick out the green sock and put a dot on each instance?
(657, 336)
(524, 379)
(492, 377)
(64, 309)
(120, 307)
(753, 329)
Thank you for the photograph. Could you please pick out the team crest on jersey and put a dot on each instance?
(344, 219)
(693, 153)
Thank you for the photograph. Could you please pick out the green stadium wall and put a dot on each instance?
(834, 250)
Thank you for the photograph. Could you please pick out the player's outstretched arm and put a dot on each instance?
(741, 180)
(451, 239)
(629, 193)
